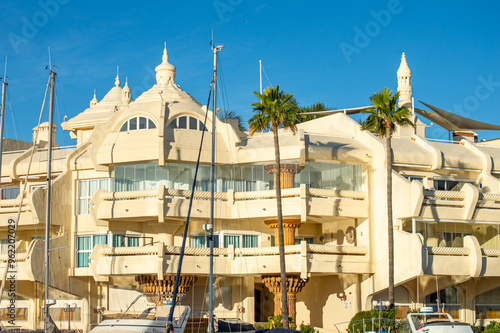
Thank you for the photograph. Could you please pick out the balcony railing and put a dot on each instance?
(232, 252)
(160, 259)
(231, 195)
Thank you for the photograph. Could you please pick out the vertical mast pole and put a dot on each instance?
(47, 217)
(216, 49)
(2, 118)
(260, 74)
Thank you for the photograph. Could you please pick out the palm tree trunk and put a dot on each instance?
(390, 229)
(281, 238)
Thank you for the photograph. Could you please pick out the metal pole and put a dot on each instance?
(69, 317)
(212, 191)
(260, 74)
(414, 115)
(2, 116)
(47, 216)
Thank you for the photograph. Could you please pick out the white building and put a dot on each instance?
(120, 201)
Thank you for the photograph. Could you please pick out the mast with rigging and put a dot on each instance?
(210, 228)
(2, 112)
(48, 302)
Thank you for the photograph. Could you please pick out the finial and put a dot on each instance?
(403, 56)
(117, 80)
(94, 101)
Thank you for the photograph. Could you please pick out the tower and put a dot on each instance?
(404, 83)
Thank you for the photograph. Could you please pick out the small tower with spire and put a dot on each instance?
(165, 72)
(404, 82)
(126, 93)
(94, 101)
(117, 79)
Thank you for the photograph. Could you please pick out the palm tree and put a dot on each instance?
(276, 109)
(227, 115)
(318, 106)
(382, 119)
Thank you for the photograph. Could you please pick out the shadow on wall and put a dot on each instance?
(315, 296)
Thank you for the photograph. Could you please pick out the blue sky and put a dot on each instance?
(336, 52)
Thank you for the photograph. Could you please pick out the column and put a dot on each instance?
(287, 174)
(151, 285)
(289, 226)
(294, 285)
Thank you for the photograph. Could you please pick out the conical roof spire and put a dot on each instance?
(165, 72)
(404, 70)
(126, 92)
(94, 101)
(117, 80)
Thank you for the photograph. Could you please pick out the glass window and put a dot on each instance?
(4, 246)
(250, 241)
(142, 123)
(83, 249)
(132, 124)
(231, 240)
(182, 122)
(85, 191)
(201, 126)
(309, 240)
(193, 123)
(136, 123)
(84, 246)
(125, 241)
(198, 241)
(10, 193)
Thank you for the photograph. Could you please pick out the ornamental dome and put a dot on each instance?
(165, 72)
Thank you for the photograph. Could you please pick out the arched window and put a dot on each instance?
(187, 122)
(137, 123)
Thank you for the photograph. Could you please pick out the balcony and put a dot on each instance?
(32, 209)
(466, 204)
(303, 259)
(20, 263)
(156, 205)
(414, 258)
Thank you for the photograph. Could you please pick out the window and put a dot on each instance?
(187, 122)
(239, 241)
(202, 241)
(34, 187)
(309, 240)
(9, 193)
(84, 246)
(449, 184)
(412, 178)
(137, 123)
(125, 241)
(4, 246)
(85, 191)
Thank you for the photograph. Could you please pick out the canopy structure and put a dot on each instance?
(454, 122)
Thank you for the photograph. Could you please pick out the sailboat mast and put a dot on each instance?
(260, 74)
(2, 116)
(212, 192)
(47, 217)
